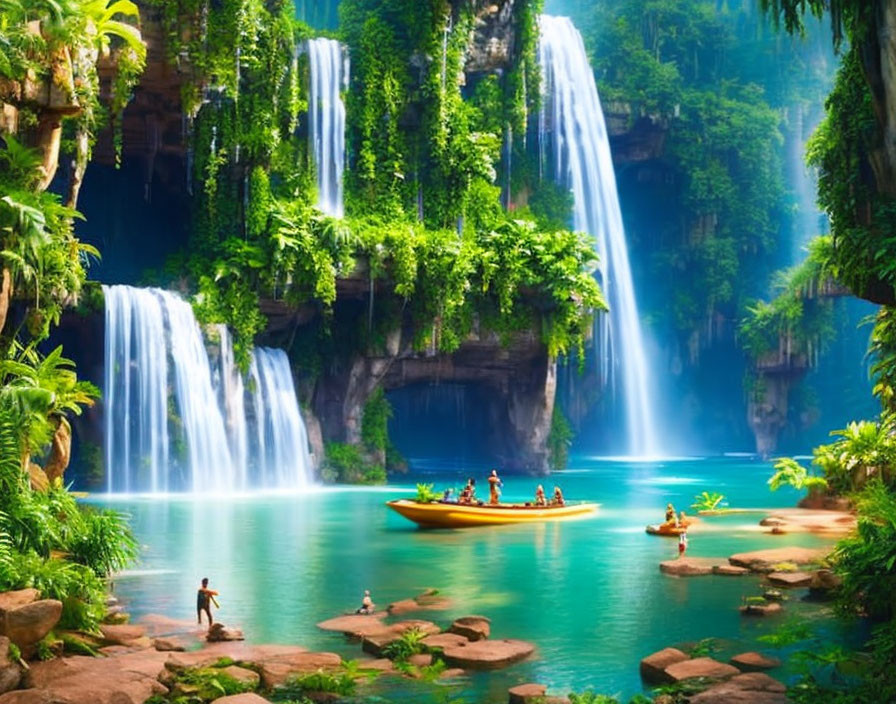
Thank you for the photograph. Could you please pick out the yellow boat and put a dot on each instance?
(451, 515)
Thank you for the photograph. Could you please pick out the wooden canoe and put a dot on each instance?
(451, 515)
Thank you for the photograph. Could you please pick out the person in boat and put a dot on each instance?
(558, 497)
(367, 605)
(683, 520)
(446, 496)
(540, 499)
(494, 484)
(468, 493)
(204, 598)
(670, 514)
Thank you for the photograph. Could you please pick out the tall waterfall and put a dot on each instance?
(573, 131)
(326, 116)
(178, 419)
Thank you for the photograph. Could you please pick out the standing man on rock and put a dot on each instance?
(203, 597)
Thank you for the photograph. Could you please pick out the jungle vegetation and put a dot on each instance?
(50, 53)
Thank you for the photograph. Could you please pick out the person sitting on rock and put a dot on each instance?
(540, 499)
(203, 598)
(367, 605)
(670, 514)
(493, 484)
(558, 497)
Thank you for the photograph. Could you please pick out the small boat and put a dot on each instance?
(451, 515)
(667, 529)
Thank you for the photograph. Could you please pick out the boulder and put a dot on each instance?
(526, 694)
(764, 560)
(440, 641)
(768, 609)
(376, 644)
(749, 688)
(472, 627)
(754, 662)
(25, 625)
(452, 673)
(377, 665)
(700, 667)
(218, 633)
(276, 672)
(86, 680)
(170, 644)
(420, 660)
(653, 667)
(242, 675)
(690, 566)
(244, 698)
(17, 598)
(789, 579)
(402, 607)
(121, 634)
(487, 654)
(823, 582)
(26, 696)
(10, 671)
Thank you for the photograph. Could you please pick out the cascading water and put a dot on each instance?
(573, 131)
(326, 117)
(180, 420)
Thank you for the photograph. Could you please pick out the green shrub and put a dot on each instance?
(426, 495)
(209, 683)
(320, 681)
(560, 439)
(375, 420)
(409, 643)
(707, 501)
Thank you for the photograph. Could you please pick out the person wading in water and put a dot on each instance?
(203, 597)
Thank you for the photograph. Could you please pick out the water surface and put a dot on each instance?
(588, 593)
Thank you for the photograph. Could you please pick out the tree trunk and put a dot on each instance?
(48, 139)
(82, 147)
(5, 296)
(60, 451)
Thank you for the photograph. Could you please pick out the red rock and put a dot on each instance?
(10, 671)
(26, 696)
(420, 660)
(172, 644)
(15, 599)
(452, 673)
(689, 566)
(402, 607)
(376, 644)
(526, 693)
(730, 570)
(444, 640)
(754, 662)
(487, 654)
(355, 625)
(790, 579)
(700, 667)
(276, 671)
(218, 633)
(653, 667)
(767, 609)
(750, 688)
(244, 698)
(238, 651)
(242, 675)
(378, 664)
(764, 560)
(121, 634)
(25, 625)
(472, 627)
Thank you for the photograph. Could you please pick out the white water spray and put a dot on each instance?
(326, 117)
(573, 121)
(177, 420)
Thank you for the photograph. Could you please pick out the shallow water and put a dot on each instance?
(588, 593)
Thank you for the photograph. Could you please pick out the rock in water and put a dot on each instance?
(487, 654)
(218, 632)
(653, 667)
(472, 627)
(700, 667)
(754, 662)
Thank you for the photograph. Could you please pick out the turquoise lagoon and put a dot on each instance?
(588, 593)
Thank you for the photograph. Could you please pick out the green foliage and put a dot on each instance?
(409, 643)
(560, 439)
(789, 472)
(348, 464)
(707, 501)
(882, 350)
(589, 697)
(426, 495)
(206, 684)
(320, 681)
(375, 420)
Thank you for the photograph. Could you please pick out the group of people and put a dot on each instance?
(468, 493)
(678, 521)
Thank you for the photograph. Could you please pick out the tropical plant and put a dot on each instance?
(426, 494)
(789, 472)
(320, 681)
(707, 501)
(409, 643)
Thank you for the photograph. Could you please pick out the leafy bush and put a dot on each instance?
(347, 464)
(707, 501)
(425, 494)
(209, 683)
(789, 472)
(409, 643)
(560, 439)
(375, 421)
(320, 681)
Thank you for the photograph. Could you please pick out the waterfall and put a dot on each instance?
(326, 117)
(573, 131)
(177, 418)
